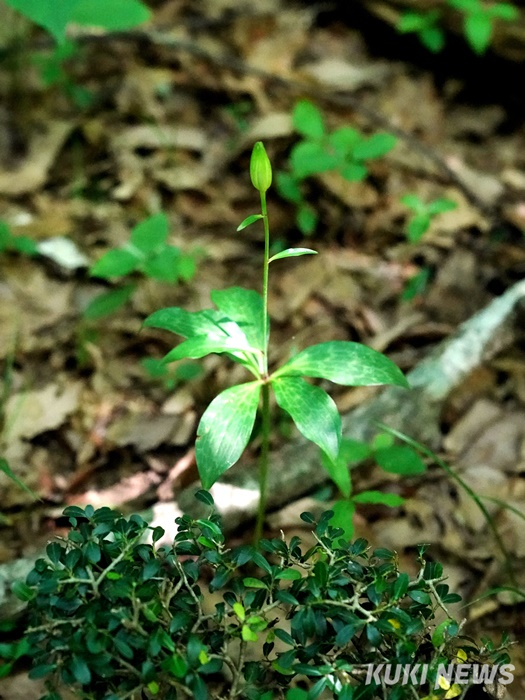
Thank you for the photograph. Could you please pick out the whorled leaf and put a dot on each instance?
(344, 362)
(224, 430)
(312, 410)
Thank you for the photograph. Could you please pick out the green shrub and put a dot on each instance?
(113, 617)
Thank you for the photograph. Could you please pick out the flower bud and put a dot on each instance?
(260, 168)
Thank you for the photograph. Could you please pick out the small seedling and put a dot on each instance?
(53, 68)
(427, 27)
(423, 213)
(479, 18)
(344, 150)
(239, 328)
(149, 253)
(478, 23)
(392, 458)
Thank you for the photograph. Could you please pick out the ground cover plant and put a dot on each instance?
(478, 23)
(239, 328)
(344, 150)
(113, 617)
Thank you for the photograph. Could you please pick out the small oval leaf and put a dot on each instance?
(248, 221)
(292, 253)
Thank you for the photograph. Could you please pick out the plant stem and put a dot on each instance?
(265, 429)
(263, 462)
(266, 265)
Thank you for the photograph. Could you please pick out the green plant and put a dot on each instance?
(479, 18)
(147, 252)
(239, 328)
(426, 25)
(423, 213)
(391, 457)
(344, 150)
(478, 23)
(113, 617)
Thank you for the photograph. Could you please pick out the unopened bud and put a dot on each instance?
(260, 168)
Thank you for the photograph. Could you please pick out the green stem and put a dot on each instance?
(265, 429)
(266, 331)
(263, 462)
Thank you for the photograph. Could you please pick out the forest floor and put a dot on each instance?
(172, 112)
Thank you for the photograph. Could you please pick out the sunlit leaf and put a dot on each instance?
(245, 307)
(344, 362)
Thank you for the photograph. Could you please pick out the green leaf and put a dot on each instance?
(202, 345)
(113, 15)
(204, 497)
(115, 263)
(245, 307)
(411, 22)
(378, 497)
(439, 635)
(307, 120)
(401, 586)
(339, 472)
(289, 575)
(4, 467)
(292, 253)
(249, 220)
(354, 172)
(441, 205)
(22, 591)
(433, 38)
(53, 15)
(343, 517)
(224, 430)
(239, 610)
(310, 158)
(151, 233)
(478, 30)
(344, 362)
(417, 227)
(400, 459)
(248, 634)
(307, 219)
(186, 323)
(80, 670)
(250, 582)
(312, 410)
(412, 201)
(344, 140)
(288, 187)
(420, 597)
(164, 265)
(108, 302)
(375, 146)
(504, 11)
